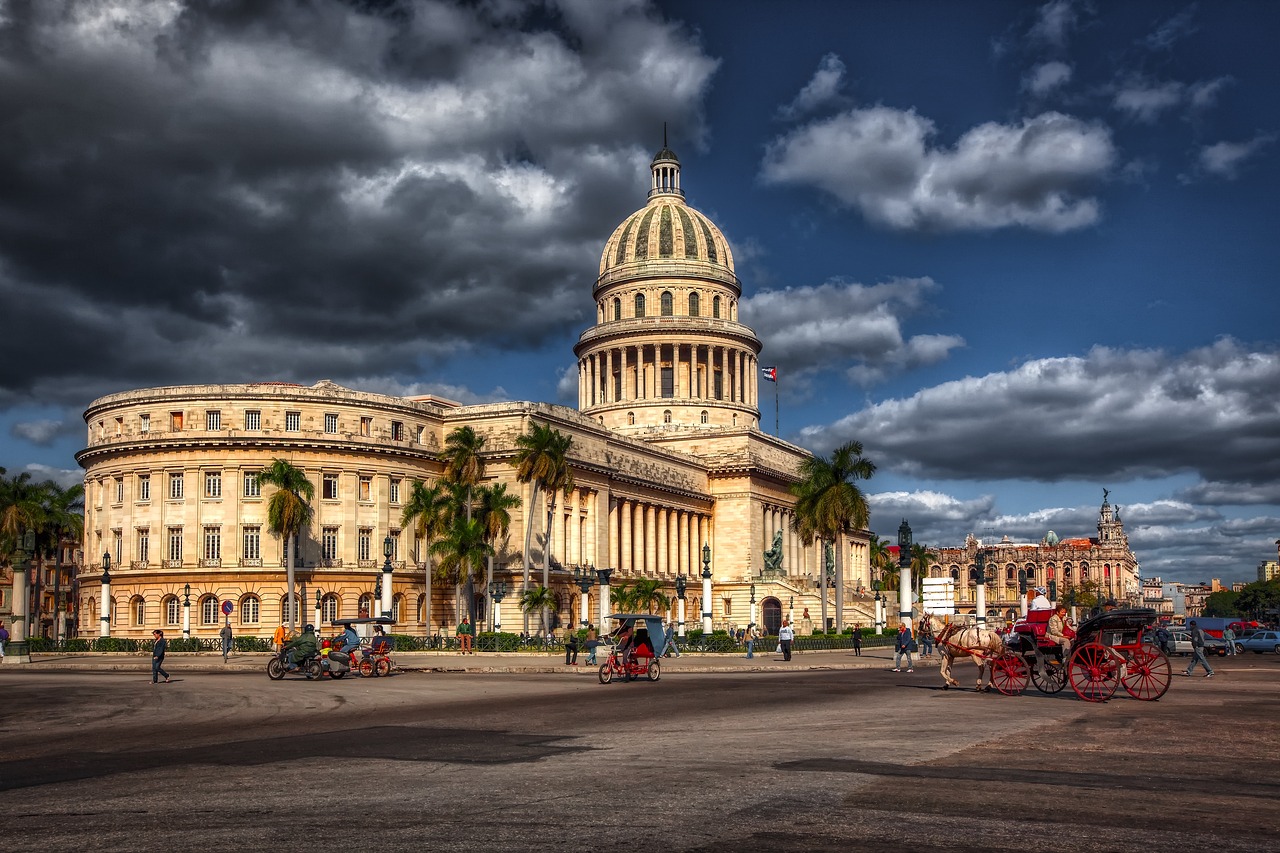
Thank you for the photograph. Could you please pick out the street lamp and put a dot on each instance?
(186, 611)
(388, 546)
(904, 572)
(751, 613)
(104, 616)
(877, 584)
(706, 588)
(681, 587)
(497, 592)
(585, 578)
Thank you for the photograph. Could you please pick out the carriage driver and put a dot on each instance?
(1056, 630)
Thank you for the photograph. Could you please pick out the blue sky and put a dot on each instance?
(1020, 251)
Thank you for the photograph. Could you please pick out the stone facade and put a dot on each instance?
(667, 457)
(1105, 562)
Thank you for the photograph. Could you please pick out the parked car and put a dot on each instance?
(1182, 644)
(1259, 641)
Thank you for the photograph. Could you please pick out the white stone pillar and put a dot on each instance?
(661, 542)
(104, 609)
(904, 594)
(385, 606)
(186, 617)
(16, 650)
(680, 617)
(624, 526)
(982, 604)
(584, 610)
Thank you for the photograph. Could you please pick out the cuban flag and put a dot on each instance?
(770, 373)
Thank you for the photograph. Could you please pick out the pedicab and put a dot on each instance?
(367, 660)
(647, 644)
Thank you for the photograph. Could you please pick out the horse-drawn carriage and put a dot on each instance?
(1107, 651)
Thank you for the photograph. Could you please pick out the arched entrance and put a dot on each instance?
(771, 612)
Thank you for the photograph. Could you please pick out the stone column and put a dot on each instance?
(661, 542)
(615, 533)
(624, 527)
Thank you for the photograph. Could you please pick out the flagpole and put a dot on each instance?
(777, 431)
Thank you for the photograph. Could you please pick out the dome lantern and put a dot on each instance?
(666, 171)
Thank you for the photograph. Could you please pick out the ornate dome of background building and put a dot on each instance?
(667, 351)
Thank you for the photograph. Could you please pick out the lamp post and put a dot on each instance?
(1022, 592)
(319, 601)
(981, 583)
(706, 588)
(585, 578)
(751, 613)
(602, 575)
(388, 545)
(186, 611)
(104, 615)
(822, 585)
(878, 584)
(497, 592)
(681, 587)
(18, 651)
(904, 573)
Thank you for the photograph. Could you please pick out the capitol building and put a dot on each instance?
(668, 458)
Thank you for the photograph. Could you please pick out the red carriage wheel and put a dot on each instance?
(382, 667)
(1146, 674)
(1009, 674)
(366, 667)
(1094, 672)
(606, 673)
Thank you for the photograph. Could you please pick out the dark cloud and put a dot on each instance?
(221, 191)
(1107, 416)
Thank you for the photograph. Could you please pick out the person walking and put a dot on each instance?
(464, 636)
(1197, 651)
(279, 638)
(225, 636)
(593, 643)
(1164, 639)
(786, 634)
(4, 638)
(857, 641)
(571, 649)
(669, 641)
(158, 648)
(749, 638)
(926, 636)
(1230, 637)
(904, 644)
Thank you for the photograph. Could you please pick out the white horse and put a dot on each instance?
(954, 640)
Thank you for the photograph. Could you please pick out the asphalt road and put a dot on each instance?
(854, 760)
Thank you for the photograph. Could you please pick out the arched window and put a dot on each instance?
(1066, 572)
(973, 574)
(139, 607)
(396, 603)
(703, 416)
(631, 418)
(694, 306)
(209, 610)
(666, 416)
(172, 610)
(284, 610)
(617, 309)
(365, 606)
(250, 608)
(329, 608)
(1010, 576)
(715, 307)
(1084, 572)
(955, 574)
(639, 304)
(422, 608)
(668, 304)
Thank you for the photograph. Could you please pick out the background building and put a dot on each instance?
(667, 458)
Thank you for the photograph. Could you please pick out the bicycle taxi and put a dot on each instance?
(646, 644)
(369, 660)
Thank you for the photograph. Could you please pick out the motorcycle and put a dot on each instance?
(278, 667)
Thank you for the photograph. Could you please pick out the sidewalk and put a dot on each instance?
(483, 662)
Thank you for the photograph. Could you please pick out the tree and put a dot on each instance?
(429, 512)
(63, 520)
(647, 596)
(464, 469)
(540, 600)
(828, 503)
(921, 560)
(542, 459)
(1222, 603)
(493, 512)
(881, 557)
(289, 512)
(462, 550)
(1259, 599)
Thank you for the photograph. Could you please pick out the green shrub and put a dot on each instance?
(115, 644)
(251, 644)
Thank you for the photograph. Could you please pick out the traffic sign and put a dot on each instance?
(227, 607)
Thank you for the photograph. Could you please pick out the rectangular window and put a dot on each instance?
(366, 426)
(175, 544)
(253, 420)
(329, 543)
(329, 487)
(421, 433)
(213, 543)
(393, 494)
(668, 381)
(213, 484)
(253, 543)
(144, 423)
(144, 487)
(719, 385)
(366, 488)
(144, 546)
(330, 422)
(292, 421)
(617, 386)
(175, 421)
(728, 607)
(117, 546)
(397, 431)
(175, 487)
(395, 544)
(252, 488)
(119, 426)
(213, 421)
(119, 490)
(364, 544)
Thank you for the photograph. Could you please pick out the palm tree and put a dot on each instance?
(881, 558)
(493, 511)
(463, 463)
(622, 599)
(647, 595)
(289, 513)
(63, 519)
(921, 560)
(539, 599)
(828, 503)
(429, 511)
(462, 550)
(542, 459)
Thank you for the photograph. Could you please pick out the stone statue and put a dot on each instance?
(773, 557)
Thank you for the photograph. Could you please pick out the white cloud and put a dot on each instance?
(567, 385)
(1109, 414)
(1225, 159)
(1170, 31)
(64, 477)
(839, 323)
(879, 160)
(42, 432)
(1144, 100)
(1046, 77)
(821, 90)
(1054, 23)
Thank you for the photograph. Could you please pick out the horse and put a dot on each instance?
(954, 640)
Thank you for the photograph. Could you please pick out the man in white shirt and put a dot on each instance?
(785, 635)
(1041, 601)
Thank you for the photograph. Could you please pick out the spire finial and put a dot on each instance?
(664, 134)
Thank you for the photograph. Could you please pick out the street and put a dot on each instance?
(814, 760)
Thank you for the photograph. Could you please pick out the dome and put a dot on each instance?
(666, 229)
